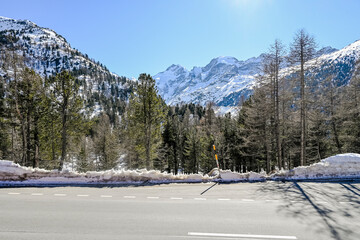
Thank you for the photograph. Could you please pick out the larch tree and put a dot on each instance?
(301, 50)
(272, 63)
(331, 105)
(350, 110)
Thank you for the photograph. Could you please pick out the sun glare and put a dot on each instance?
(248, 4)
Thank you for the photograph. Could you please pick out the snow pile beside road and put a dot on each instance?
(10, 171)
(339, 166)
(229, 176)
(141, 175)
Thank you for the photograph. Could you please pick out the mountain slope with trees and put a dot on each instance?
(48, 53)
(53, 100)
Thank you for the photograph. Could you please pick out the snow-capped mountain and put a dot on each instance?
(48, 53)
(225, 79)
(222, 81)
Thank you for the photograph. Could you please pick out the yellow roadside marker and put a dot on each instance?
(216, 158)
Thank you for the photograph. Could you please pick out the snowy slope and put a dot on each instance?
(49, 52)
(225, 79)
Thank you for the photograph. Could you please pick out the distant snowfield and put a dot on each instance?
(336, 167)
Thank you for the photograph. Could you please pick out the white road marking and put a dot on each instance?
(14, 193)
(224, 199)
(295, 201)
(82, 195)
(129, 197)
(228, 235)
(37, 194)
(59, 194)
(247, 200)
(176, 198)
(153, 197)
(271, 200)
(106, 196)
(346, 202)
(200, 199)
(321, 202)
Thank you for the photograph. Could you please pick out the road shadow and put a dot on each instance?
(209, 188)
(336, 204)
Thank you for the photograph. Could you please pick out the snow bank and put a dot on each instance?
(141, 175)
(339, 166)
(10, 171)
(229, 176)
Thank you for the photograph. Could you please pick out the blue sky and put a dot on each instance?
(135, 36)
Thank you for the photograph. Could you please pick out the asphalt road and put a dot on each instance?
(270, 210)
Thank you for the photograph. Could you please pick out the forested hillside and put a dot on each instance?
(40, 126)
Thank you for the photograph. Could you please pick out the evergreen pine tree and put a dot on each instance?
(68, 104)
(106, 144)
(145, 116)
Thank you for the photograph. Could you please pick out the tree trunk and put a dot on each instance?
(267, 147)
(148, 147)
(28, 137)
(283, 125)
(12, 143)
(53, 153)
(336, 135)
(24, 144)
(175, 159)
(36, 143)
(277, 115)
(63, 136)
(302, 109)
